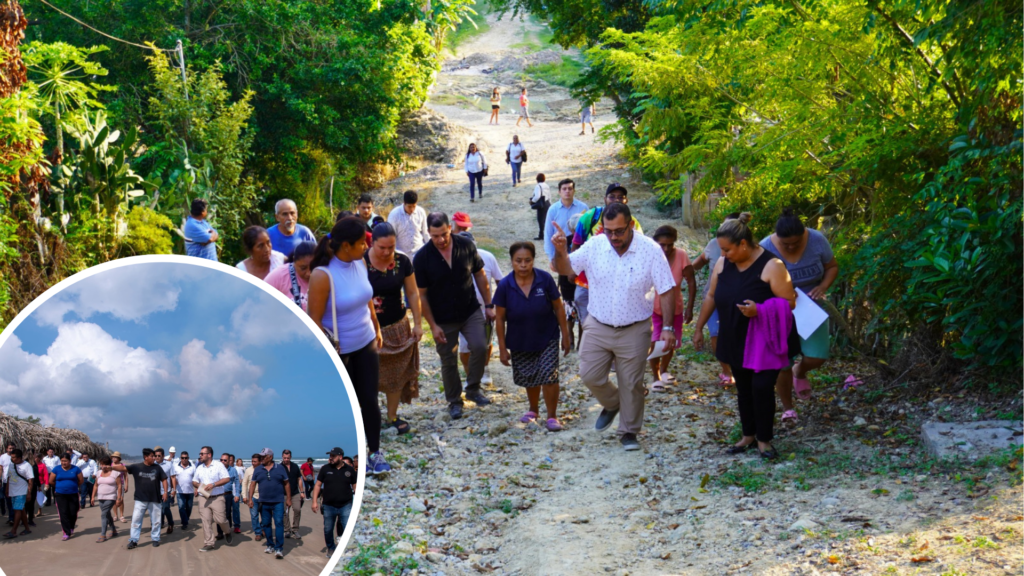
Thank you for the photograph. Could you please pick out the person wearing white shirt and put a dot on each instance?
(461, 224)
(515, 155)
(410, 223)
(5, 461)
(475, 166)
(89, 469)
(621, 268)
(51, 461)
(18, 480)
(541, 201)
(181, 477)
(210, 478)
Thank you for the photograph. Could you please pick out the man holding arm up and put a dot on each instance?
(621, 268)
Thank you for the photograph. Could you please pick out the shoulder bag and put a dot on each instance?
(333, 338)
(296, 291)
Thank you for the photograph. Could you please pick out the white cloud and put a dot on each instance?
(217, 389)
(263, 320)
(127, 293)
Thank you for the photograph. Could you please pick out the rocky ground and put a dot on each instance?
(853, 493)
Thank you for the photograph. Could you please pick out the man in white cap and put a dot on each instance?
(209, 480)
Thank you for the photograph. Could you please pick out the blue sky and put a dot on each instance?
(173, 354)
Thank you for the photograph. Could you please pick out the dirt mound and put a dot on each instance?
(544, 57)
(427, 135)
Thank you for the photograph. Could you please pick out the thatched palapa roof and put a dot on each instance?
(36, 438)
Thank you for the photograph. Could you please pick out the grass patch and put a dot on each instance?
(563, 73)
(378, 558)
(466, 31)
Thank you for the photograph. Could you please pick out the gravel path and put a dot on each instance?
(489, 494)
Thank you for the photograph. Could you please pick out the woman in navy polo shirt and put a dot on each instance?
(529, 318)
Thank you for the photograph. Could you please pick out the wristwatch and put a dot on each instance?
(488, 306)
(668, 329)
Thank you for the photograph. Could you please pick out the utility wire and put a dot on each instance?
(102, 33)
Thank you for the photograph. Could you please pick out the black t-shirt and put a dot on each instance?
(294, 473)
(387, 288)
(147, 481)
(450, 291)
(337, 484)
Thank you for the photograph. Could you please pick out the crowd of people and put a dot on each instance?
(273, 491)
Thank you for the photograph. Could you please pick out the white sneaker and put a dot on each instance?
(487, 377)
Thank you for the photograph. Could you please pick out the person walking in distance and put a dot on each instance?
(231, 494)
(561, 213)
(446, 270)
(119, 506)
(200, 237)
(748, 282)
(108, 491)
(18, 483)
(515, 155)
(524, 108)
(307, 476)
(165, 505)
(210, 481)
(40, 479)
(293, 511)
(341, 304)
(622, 268)
(462, 225)
(541, 201)
(89, 469)
(183, 472)
(288, 233)
(587, 113)
(336, 483)
(275, 495)
(5, 502)
(679, 262)
(530, 319)
(709, 257)
(476, 168)
(410, 223)
(364, 209)
(495, 106)
(150, 483)
(51, 461)
(65, 481)
(252, 502)
(391, 273)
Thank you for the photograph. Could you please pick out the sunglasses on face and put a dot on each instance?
(616, 233)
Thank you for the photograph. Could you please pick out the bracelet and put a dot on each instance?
(669, 329)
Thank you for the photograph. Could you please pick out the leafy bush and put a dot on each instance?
(148, 232)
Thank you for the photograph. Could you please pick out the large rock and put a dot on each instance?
(971, 440)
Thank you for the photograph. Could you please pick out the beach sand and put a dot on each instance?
(178, 552)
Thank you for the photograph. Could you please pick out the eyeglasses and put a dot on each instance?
(616, 233)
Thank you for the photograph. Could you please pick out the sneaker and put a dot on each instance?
(455, 411)
(170, 529)
(487, 377)
(132, 544)
(296, 535)
(206, 548)
(380, 466)
(629, 442)
(279, 554)
(156, 544)
(287, 534)
(478, 398)
(268, 550)
(238, 530)
(329, 554)
(605, 419)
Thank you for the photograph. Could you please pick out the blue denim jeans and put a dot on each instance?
(84, 491)
(165, 512)
(517, 172)
(254, 517)
(335, 520)
(139, 514)
(185, 502)
(273, 512)
(476, 181)
(236, 514)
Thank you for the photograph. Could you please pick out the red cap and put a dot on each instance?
(462, 220)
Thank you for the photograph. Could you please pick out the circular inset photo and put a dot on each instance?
(163, 413)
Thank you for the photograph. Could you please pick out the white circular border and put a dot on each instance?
(230, 270)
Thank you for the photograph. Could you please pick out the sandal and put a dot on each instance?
(740, 449)
(725, 381)
(10, 535)
(101, 540)
(64, 537)
(668, 378)
(553, 425)
(530, 416)
(659, 386)
(789, 417)
(771, 454)
(26, 532)
(401, 425)
(802, 388)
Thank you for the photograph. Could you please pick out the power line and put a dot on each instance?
(102, 33)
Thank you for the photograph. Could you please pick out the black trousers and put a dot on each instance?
(567, 287)
(363, 367)
(67, 510)
(542, 214)
(30, 502)
(756, 398)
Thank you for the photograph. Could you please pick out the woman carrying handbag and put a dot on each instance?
(540, 202)
(476, 169)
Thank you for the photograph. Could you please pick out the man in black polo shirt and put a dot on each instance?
(336, 482)
(446, 269)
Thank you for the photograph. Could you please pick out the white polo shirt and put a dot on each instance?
(184, 476)
(619, 284)
(51, 462)
(89, 468)
(5, 462)
(212, 473)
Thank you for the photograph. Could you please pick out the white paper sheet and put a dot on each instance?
(659, 350)
(808, 315)
(41, 498)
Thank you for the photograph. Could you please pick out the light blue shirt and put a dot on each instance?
(236, 482)
(352, 295)
(559, 214)
(197, 239)
(286, 244)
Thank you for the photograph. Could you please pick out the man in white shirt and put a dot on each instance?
(181, 478)
(410, 223)
(209, 479)
(166, 518)
(89, 469)
(514, 157)
(461, 224)
(621, 268)
(5, 461)
(18, 483)
(51, 461)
